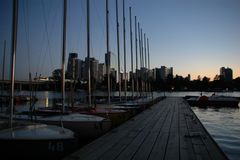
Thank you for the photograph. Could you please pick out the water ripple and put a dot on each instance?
(223, 125)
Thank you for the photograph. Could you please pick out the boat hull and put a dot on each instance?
(84, 130)
(37, 141)
(41, 149)
(215, 102)
(86, 127)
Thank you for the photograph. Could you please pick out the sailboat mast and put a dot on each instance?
(145, 77)
(149, 84)
(145, 50)
(118, 50)
(142, 47)
(140, 65)
(3, 67)
(142, 61)
(136, 54)
(132, 80)
(148, 53)
(88, 55)
(108, 52)
(13, 60)
(124, 51)
(64, 52)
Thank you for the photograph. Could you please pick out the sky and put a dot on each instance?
(194, 37)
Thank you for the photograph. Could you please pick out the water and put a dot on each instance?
(222, 123)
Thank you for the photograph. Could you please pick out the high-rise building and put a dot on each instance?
(111, 57)
(72, 66)
(101, 71)
(169, 71)
(113, 79)
(226, 73)
(143, 73)
(163, 73)
(93, 68)
(81, 68)
(222, 71)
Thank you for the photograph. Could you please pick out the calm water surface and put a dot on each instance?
(224, 125)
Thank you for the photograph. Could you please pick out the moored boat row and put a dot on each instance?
(215, 101)
(57, 131)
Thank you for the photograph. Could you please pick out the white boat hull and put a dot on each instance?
(90, 127)
(38, 141)
(84, 126)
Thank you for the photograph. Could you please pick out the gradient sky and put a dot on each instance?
(194, 37)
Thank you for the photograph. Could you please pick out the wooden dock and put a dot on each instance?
(167, 130)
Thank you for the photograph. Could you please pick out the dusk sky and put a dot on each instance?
(194, 37)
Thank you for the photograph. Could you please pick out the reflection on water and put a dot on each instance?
(223, 125)
(46, 102)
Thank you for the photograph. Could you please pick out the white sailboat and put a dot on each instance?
(32, 140)
(85, 126)
(37, 141)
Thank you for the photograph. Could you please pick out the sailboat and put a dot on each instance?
(32, 140)
(84, 125)
(117, 114)
(135, 105)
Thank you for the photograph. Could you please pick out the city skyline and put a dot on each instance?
(76, 69)
(193, 37)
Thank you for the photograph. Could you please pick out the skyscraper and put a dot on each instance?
(93, 68)
(81, 68)
(226, 73)
(163, 72)
(101, 71)
(113, 60)
(72, 66)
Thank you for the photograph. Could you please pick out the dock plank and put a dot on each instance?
(186, 147)
(127, 146)
(146, 148)
(172, 150)
(167, 130)
(158, 150)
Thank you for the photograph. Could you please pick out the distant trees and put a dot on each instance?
(179, 83)
(57, 74)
